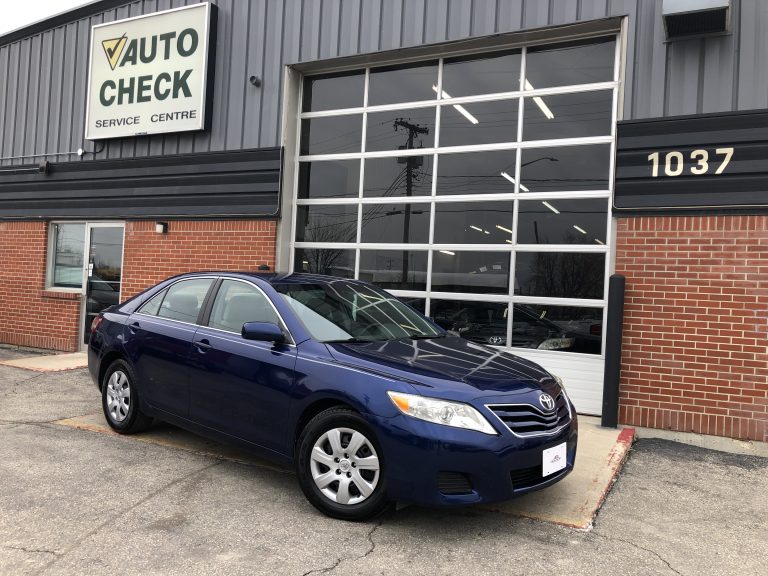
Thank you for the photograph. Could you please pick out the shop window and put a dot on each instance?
(67, 255)
(436, 179)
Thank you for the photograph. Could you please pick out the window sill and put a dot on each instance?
(59, 294)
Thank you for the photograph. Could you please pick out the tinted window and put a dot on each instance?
(402, 84)
(395, 223)
(336, 223)
(473, 223)
(572, 63)
(329, 179)
(184, 299)
(473, 75)
(329, 261)
(398, 129)
(565, 168)
(582, 221)
(474, 272)
(237, 303)
(562, 328)
(484, 322)
(479, 123)
(333, 92)
(152, 306)
(332, 135)
(400, 176)
(559, 274)
(567, 116)
(476, 173)
(395, 269)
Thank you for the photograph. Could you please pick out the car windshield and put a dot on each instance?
(343, 311)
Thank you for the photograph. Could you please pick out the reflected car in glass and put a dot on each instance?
(370, 401)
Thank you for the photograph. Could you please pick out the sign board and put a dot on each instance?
(709, 161)
(150, 74)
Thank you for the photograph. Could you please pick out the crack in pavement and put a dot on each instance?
(31, 550)
(332, 567)
(128, 510)
(634, 545)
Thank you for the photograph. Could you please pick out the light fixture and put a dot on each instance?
(580, 229)
(161, 227)
(539, 102)
(459, 108)
(548, 205)
(509, 241)
(500, 227)
(448, 252)
(508, 177)
(599, 241)
(476, 228)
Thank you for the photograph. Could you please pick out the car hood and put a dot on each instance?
(456, 367)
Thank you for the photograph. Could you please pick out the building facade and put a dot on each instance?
(492, 162)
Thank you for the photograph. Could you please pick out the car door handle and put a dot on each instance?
(203, 345)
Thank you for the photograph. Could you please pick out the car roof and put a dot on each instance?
(275, 277)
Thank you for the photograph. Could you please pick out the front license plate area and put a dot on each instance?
(553, 459)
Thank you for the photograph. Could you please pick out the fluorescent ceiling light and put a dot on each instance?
(599, 241)
(486, 231)
(580, 229)
(548, 205)
(448, 252)
(508, 177)
(459, 108)
(509, 241)
(539, 102)
(476, 228)
(500, 227)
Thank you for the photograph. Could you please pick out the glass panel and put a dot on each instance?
(332, 262)
(562, 221)
(567, 116)
(329, 179)
(333, 92)
(572, 63)
(403, 176)
(105, 268)
(237, 303)
(562, 328)
(394, 269)
(400, 129)
(402, 84)
(479, 123)
(68, 252)
(565, 168)
(559, 275)
(406, 223)
(473, 75)
(476, 173)
(418, 304)
(473, 272)
(152, 306)
(333, 135)
(473, 223)
(484, 322)
(184, 299)
(326, 223)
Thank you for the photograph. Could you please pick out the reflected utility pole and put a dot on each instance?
(411, 163)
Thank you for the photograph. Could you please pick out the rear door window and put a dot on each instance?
(184, 300)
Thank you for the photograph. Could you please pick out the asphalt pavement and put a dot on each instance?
(79, 502)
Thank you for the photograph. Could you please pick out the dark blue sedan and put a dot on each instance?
(368, 399)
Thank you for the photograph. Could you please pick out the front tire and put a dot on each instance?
(120, 400)
(340, 466)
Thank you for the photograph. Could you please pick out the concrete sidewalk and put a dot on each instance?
(49, 363)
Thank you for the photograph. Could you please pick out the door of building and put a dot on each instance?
(103, 271)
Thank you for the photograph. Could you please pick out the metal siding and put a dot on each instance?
(44, 112)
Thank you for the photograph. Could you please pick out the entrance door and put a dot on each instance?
(103, 272)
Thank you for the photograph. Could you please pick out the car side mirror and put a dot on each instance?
(263, 331)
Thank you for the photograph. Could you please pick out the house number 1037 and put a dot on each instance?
(674, 162)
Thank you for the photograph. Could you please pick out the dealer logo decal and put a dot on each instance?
(113, 49)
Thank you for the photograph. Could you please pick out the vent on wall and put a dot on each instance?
(688, 18)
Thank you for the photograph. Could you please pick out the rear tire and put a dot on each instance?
(340, 466)
(120, 400)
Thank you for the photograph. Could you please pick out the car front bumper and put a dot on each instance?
(420, 455)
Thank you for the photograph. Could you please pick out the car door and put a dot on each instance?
(159, 340)
(241, 387)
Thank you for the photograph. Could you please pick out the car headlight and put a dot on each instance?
(454, 414)
(560, 383)
(556, 344)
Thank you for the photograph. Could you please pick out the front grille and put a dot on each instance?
(453, 483)
(528, 477)
(529, 420)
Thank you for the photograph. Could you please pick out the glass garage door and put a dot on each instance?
(477, 188)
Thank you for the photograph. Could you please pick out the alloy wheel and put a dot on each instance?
(118, 396)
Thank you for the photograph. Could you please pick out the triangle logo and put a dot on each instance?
(113, 49)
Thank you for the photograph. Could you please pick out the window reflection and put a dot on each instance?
(473, 272)
(582, 221)
(473, 75)
(476, 173)
(329, 179)
(473, 223)
(568, 115)
(68, 255)
(400, 129)
(483, 322)
(559, 275)
(333, 92)
(390, 85)
(562, 328)
(570, 63)
(326, 223)
(479, 123)
(401, 176)
(565, 168)
(395, 223)
(331, 262)
(395, 269)
(418, 304)
(332, 135)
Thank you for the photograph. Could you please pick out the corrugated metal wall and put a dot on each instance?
(43, 77)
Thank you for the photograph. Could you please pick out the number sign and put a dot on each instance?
(713, 161)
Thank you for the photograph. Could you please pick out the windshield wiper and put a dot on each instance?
(348, 341)
(424, 336)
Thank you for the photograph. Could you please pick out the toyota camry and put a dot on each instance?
(370, 401)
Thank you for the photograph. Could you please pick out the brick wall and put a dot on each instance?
(695, 355)
(194, 245)
(30, 315)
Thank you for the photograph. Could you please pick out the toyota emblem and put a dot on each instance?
(496, 340)
(547, 402)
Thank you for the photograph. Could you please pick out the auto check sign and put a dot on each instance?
(149, 74)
